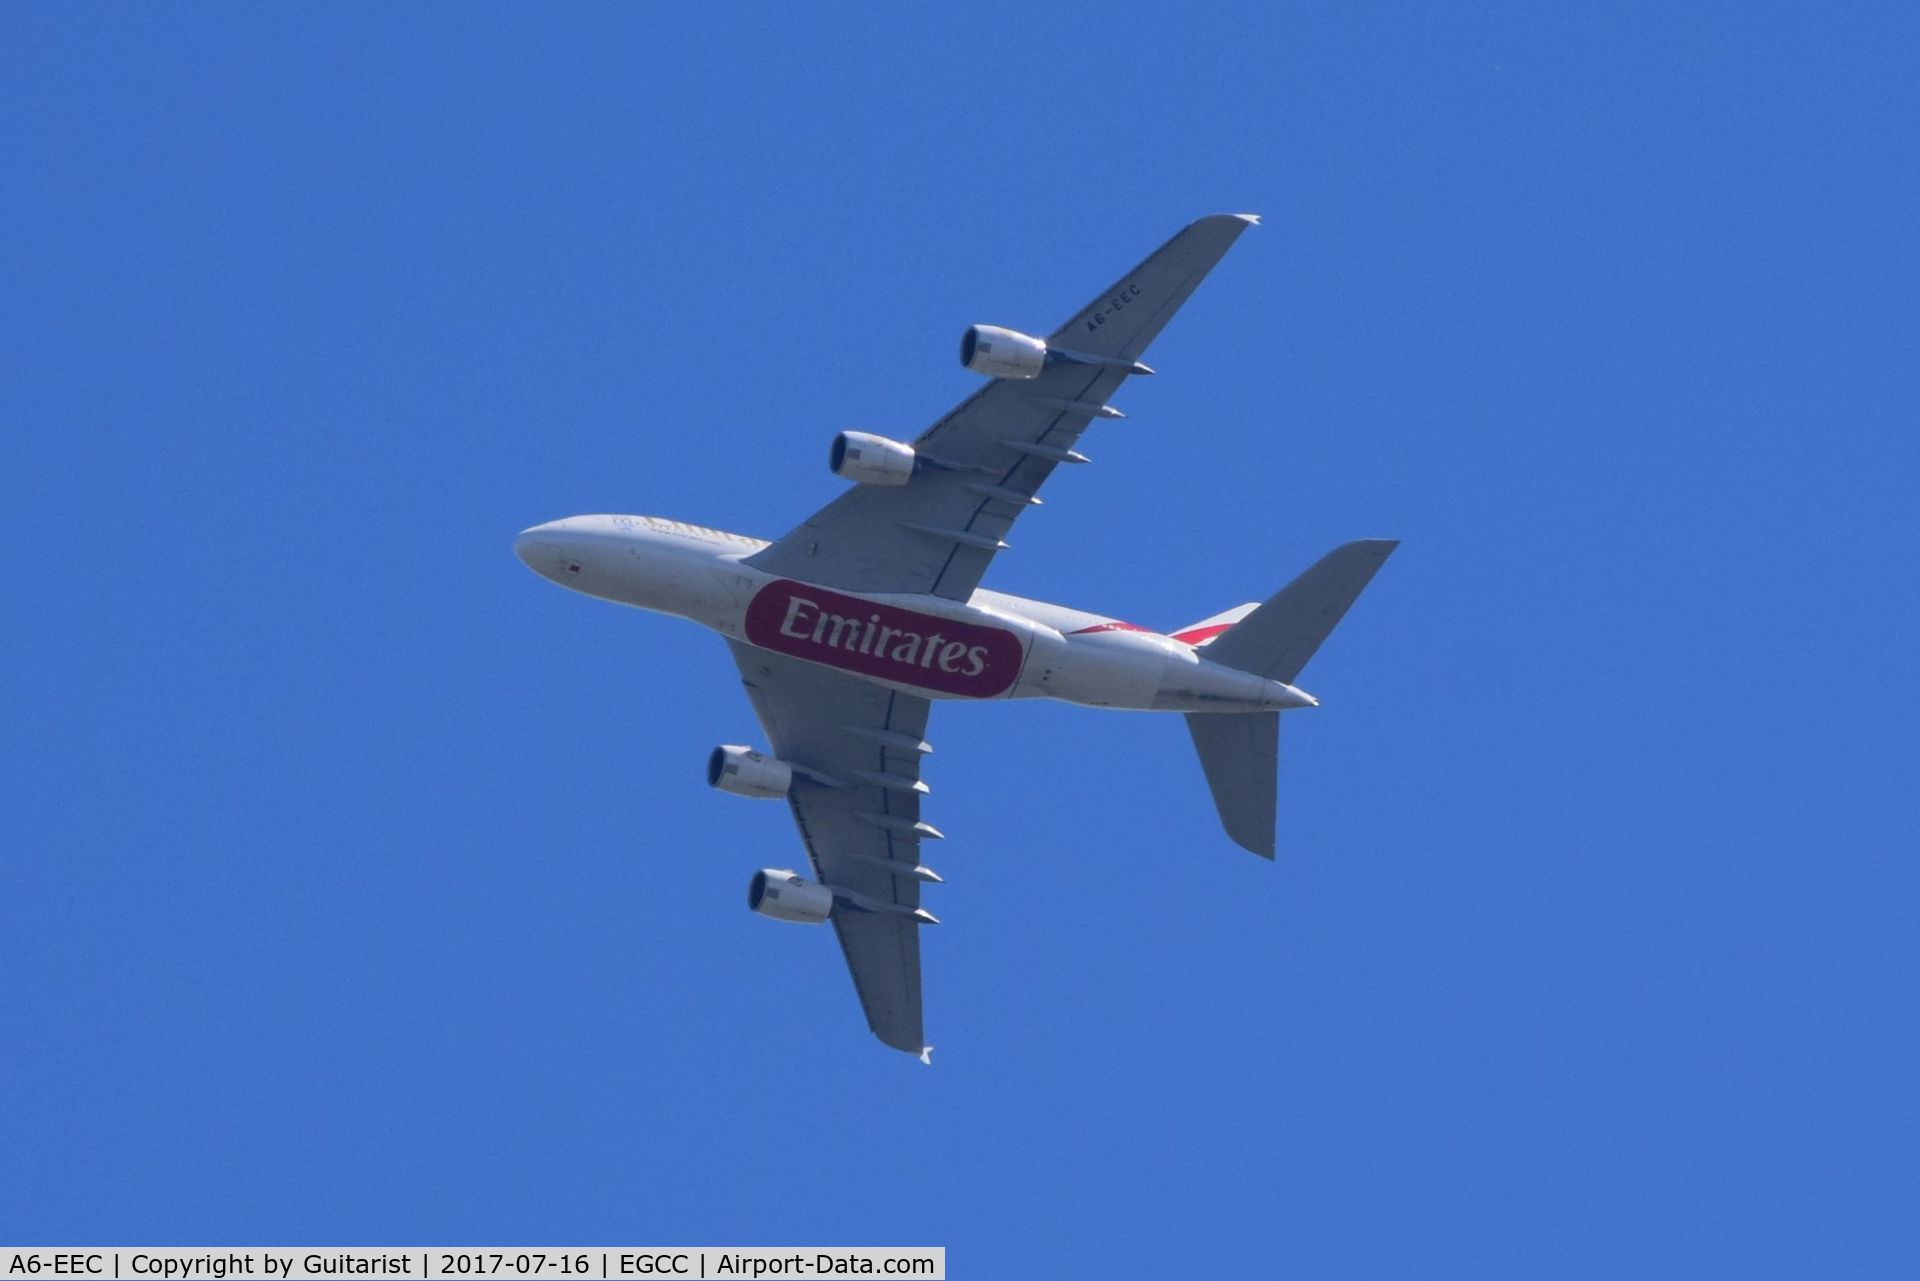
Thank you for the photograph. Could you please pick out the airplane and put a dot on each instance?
(847, 630)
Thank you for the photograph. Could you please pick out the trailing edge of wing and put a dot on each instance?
(863, 836)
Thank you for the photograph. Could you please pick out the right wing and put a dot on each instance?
(938, 532)
(862, 835)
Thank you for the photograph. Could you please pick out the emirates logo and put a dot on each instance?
(896, 644)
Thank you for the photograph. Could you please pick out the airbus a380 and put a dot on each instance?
(847, 629)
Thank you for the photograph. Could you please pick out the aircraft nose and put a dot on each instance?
(539, 547)
(527, 547)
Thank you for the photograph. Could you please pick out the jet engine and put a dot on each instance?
(745, 772)
(871, 460)
(785, 895)
(1002, 353)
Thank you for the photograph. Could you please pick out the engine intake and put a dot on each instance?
(1002, 353)
(745, 772)
(785, 895)
(871, 460)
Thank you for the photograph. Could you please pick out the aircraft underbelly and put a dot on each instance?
(955, 653)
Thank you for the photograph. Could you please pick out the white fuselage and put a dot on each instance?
(989, 646)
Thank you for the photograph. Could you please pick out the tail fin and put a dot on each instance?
(1202, 633)
(1241, 753)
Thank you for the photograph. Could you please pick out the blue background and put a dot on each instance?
(360, 887)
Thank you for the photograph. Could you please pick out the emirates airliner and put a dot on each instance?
(847, 629)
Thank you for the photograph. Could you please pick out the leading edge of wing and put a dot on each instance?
(1111, 325)
(860, 835)
(939, 532)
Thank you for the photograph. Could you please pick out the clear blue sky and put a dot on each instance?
(359, 886)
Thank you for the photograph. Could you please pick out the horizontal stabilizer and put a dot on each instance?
(1241, 755)
(1277, 639)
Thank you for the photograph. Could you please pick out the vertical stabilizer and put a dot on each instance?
(1241, 752)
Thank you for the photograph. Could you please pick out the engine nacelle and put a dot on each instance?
(785, 895)
(745, 772)
(871, 460)
(1002, 353)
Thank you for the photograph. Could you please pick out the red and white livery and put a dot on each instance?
(847, 629)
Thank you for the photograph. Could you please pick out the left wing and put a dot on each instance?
(938, 532)
(862, 827)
